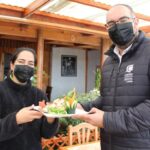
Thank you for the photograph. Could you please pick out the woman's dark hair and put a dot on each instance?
(19, 50)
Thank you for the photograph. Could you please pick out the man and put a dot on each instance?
(123, 110)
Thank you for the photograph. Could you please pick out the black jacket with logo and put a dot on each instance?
(26, 136)
(125, 98)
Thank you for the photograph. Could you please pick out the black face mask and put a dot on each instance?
(23, 72)
(122, 34)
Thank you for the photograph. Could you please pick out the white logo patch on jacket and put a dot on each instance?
(128, 76)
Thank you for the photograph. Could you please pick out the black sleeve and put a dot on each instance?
(96, 103)
(135, 119)
(48, 130)
(8, 125)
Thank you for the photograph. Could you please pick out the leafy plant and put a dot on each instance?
(34, 78)
(90, 96)
(97, 78)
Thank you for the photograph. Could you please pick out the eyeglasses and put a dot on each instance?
(121, 20)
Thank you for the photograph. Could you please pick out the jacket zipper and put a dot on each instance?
(116, 80)
(113, 107)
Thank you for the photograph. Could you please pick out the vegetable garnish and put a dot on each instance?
(66, 105)
(70, 102)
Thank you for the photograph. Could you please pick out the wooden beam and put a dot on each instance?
(106, 7)
(61, 36)
(148, 34)
(53, 18)
(89, 47)
(49, 17)
(34, 6)
(85, 47)
(145, 29)
(68, 20)
(10, 37)
(40, 58)
(15, 30)
(71, 37)
(52, 36)
(12, 8)
(143, 17)
(93, 4)
(44, 24)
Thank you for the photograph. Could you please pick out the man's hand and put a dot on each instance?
(27, 114)
(95, 117)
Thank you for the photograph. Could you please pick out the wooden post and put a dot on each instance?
(86, 70)
(105, 44)
(1, 65)
(40, 58)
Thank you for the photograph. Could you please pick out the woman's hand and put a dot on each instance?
(50, 120)
(27, 114)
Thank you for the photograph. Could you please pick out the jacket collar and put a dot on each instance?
(132, 50)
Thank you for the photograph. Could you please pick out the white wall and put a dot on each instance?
(61, 85)
(93, 61)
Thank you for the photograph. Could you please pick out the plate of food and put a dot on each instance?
(61, 107)
(60, 115)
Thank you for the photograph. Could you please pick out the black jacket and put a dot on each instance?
(125, 98)
(27, 136)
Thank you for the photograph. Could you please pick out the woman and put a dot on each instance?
(21, 127)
